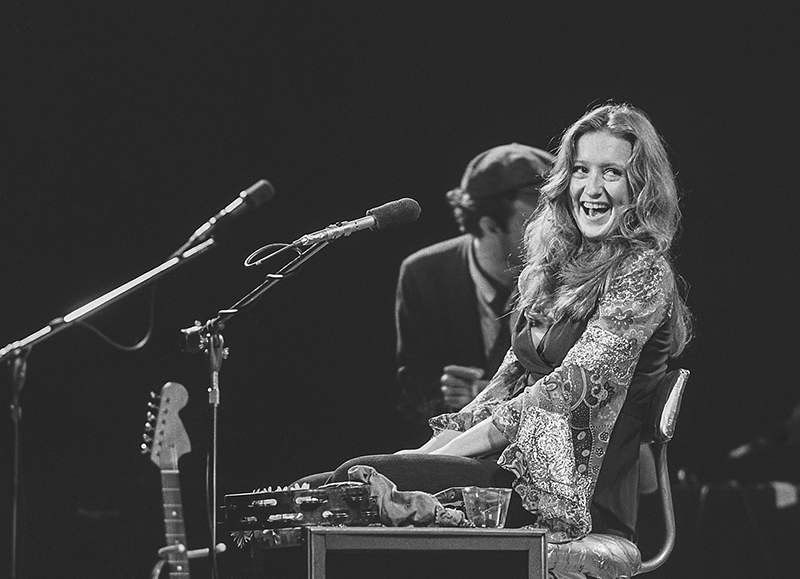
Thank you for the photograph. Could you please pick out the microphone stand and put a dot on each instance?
(208, 338)
(19, 367)
(17, 353)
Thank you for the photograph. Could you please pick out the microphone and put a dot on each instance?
(386, 216)
(252, 197)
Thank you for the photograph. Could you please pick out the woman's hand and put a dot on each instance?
(435, 442)
(483, 438)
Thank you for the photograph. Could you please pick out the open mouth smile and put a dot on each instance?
(594, 209)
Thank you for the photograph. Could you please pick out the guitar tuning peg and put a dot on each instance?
(152, 406)
(144, 448)
(154, 396)
(148, 427)
(147, 438)
(151, 417)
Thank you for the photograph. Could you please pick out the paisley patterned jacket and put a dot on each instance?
(573, 423)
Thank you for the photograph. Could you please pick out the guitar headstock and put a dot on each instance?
(165, 437)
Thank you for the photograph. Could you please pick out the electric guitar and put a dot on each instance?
(166, 440)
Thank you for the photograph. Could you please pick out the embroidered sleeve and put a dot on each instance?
(560, 426)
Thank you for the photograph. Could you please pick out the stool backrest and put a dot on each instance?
(662, 415)
(658, 429)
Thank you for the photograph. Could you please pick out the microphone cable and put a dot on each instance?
(138, 345)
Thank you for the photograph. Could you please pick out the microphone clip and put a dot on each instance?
(200, 337)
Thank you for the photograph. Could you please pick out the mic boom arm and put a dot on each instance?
(106, 299)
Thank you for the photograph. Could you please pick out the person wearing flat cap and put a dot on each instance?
(453, 297)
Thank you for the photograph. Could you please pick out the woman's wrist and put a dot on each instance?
(481, 439)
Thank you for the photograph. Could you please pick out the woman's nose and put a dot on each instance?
(594, 184)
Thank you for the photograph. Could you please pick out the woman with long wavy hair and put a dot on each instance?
(599, 316)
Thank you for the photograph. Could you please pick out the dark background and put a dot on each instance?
(126, 126)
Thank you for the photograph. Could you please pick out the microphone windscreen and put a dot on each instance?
(258, 193)
(395, 213)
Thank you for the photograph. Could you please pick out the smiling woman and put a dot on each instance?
(599, 186)
(612, 190)
(599, 316)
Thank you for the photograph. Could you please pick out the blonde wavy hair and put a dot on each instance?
(565, 274)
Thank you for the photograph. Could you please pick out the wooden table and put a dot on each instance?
(322, 540)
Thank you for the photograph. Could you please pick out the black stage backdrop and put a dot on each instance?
(126, 126)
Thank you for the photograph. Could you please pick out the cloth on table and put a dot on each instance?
(405, 508)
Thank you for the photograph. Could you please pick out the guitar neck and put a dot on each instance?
(173, 523)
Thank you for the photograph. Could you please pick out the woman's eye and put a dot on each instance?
(579, 170)
(612, 174)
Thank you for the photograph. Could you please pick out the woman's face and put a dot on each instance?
(598, 187)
